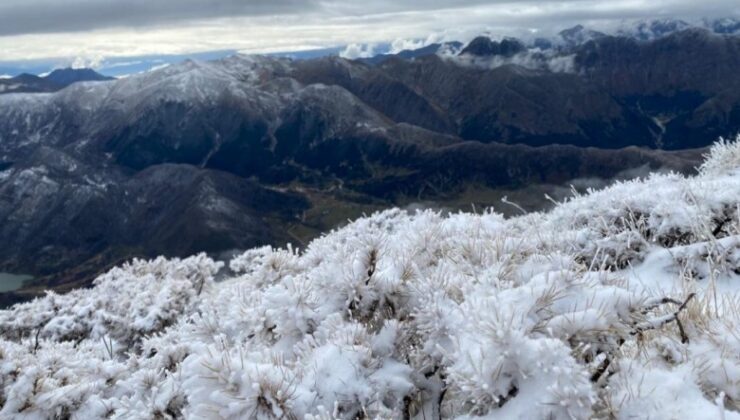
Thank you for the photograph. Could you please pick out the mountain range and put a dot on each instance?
(52, 82)
(251, 150)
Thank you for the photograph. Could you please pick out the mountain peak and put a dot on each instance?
(410, 54)
(648, 30)
(726, 26)
(485, 46)
(579, 34)
(67, 76)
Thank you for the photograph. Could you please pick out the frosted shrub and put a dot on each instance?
(621, 303)
(227, 383)
(139, 298)
(724, 156)
(500, 369)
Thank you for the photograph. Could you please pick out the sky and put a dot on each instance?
(88, 32)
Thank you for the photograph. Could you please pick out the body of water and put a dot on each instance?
(10, 282)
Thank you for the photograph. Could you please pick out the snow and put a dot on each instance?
(534, 59)
(576, 313)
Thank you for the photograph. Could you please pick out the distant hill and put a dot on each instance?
(65, 77)
(54, 81)
(27, 83)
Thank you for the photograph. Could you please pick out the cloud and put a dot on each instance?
(87, 62)
(353, 51)
(18, 17)
(159, 67)
(401, 44)
(534, 60)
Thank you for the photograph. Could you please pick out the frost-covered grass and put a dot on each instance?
(622, 303)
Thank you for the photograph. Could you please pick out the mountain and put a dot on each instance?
(728, 26)
(578, 35)
(641, 30)
(653, 93)
(430, 49)
(248, 150)
(54, 81)
(667, 79)
(628, 295)
(27, 83)
(65, 77)
(653, 29)
(484, 46)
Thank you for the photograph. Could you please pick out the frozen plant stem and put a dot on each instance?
(659, 322)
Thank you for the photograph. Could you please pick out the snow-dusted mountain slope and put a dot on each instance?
(622, 303)
(83, 170)
(645, 30)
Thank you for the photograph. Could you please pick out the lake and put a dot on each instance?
(9, 282)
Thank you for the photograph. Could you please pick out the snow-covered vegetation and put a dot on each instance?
(622, 303)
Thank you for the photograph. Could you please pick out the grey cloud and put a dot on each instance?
(19, 17)
(43, 16)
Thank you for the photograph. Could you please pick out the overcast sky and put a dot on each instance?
(97, 29)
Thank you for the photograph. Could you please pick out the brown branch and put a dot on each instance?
(407, 408)
(720, 225)
(36, 345)
(371, 264)
(639, 329)
(603, 366)
(651, 326)
(662, 301)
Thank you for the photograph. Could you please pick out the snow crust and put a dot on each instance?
(622, 303)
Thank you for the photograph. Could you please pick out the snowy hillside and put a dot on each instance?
(622, 303)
